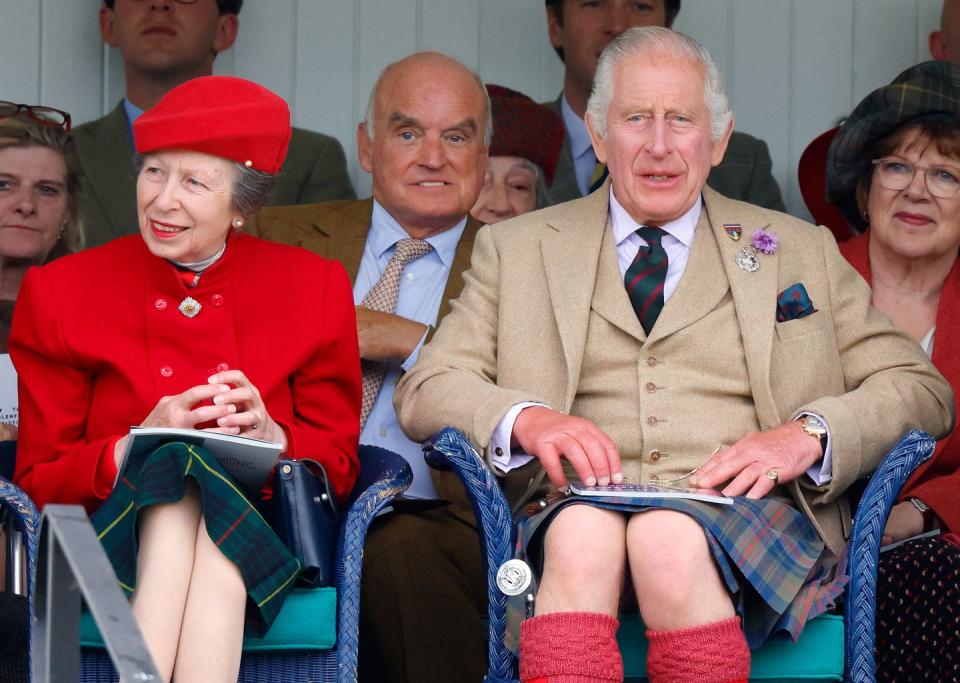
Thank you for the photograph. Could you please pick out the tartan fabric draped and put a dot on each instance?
(646, 277)
(232, 520)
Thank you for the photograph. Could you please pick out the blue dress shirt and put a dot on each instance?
(421, 292)
(581, 148)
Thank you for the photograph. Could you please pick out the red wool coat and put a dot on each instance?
(97, 340)
(937, 481)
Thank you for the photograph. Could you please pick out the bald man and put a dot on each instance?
(945, 42)
(425, 142)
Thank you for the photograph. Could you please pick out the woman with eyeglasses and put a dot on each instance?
(39, 204)
(190, 324)
(894, 171)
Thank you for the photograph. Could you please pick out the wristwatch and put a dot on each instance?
(929, 517)
(815, 427)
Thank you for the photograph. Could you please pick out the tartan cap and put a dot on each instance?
(929, 91)
(523, 128)
(220, 115)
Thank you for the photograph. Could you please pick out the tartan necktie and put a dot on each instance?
(383, 297)
(598, 177)
(646, 276)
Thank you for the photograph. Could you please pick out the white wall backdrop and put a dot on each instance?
(792, 67)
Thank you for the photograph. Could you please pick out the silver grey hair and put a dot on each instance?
(539, 184)
(372, 101)
(251, 189)
(664, 43)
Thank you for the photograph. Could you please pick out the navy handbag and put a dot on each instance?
(305, 517)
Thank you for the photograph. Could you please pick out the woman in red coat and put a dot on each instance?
(191, 324)
(894, 167)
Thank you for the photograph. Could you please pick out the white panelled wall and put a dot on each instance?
(792, 67)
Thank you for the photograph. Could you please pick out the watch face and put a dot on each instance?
(813, 425)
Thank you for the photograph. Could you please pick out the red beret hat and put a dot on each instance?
(220, 115)
(523, 128)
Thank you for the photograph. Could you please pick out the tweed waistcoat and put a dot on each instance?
(688, 390)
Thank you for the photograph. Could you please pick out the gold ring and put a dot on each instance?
(773, 475)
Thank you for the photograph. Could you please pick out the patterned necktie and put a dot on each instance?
(646, 276)
(383, 297)
(598, 177)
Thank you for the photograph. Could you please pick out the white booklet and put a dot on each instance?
(249, 461)
(634, 491)
(897, 544)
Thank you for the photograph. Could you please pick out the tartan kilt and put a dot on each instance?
(233, 523)
(775, 566)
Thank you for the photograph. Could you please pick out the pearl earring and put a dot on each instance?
(238, 223)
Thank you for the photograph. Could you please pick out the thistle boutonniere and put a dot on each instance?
(764, 241)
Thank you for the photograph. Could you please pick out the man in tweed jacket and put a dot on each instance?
(767, 373)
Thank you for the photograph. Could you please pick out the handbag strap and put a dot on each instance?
(317, 470)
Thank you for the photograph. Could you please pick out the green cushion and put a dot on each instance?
(816, 656)
(307, 622)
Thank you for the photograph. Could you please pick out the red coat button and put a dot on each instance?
(166, 371)
(217, 300)
(160, 304)
(222, 367)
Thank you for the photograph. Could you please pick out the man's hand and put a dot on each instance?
(905, 521)
(787, 450)
(387, 337)
(550, 435)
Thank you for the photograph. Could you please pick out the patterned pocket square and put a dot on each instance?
(793, 302)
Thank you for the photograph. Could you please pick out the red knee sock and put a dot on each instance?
(711, 652)
(570, 647)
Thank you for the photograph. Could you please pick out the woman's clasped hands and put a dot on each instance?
(229, 400)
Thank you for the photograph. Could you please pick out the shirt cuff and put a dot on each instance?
(412, 358)
(821, 472)
(502, 456)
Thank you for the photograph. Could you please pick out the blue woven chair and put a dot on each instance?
(315, 637)
(831, 647)
(21, 516)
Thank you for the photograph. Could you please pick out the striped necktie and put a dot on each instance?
(598, 177)
(383, 297)
(646, 277)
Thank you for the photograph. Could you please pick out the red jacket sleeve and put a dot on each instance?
(56, 462)
(326, 389)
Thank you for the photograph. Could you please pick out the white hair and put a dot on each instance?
(662, 43)
(372, 100)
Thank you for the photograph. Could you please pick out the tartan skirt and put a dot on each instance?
(775, 566)
(233, 523)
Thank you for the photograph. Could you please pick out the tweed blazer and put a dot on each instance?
(517, 333)
(745, 173)
(315, 170)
